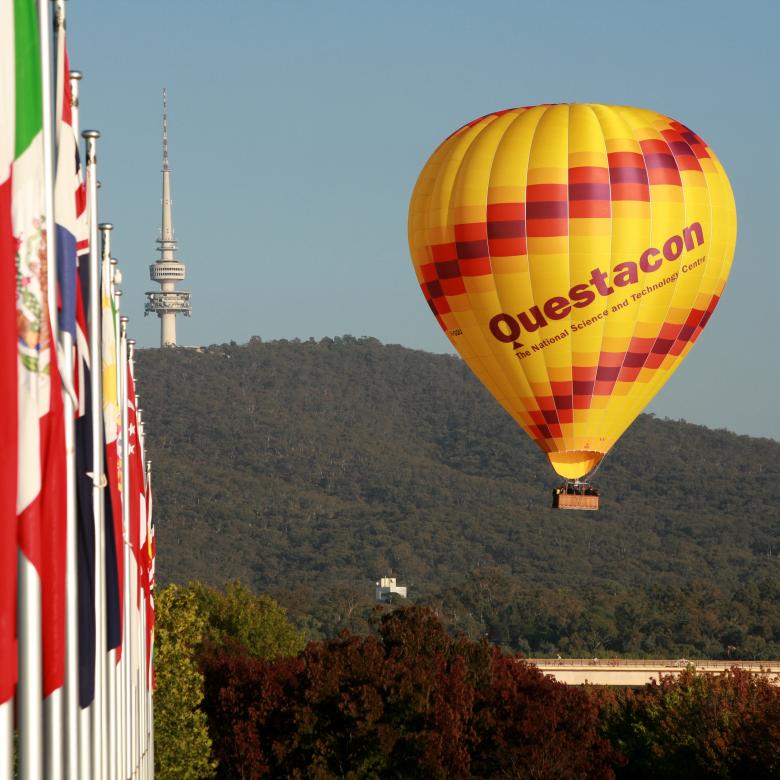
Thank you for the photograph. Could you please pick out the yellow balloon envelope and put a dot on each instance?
(573, 254)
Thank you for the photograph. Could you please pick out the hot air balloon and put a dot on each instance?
(573, 254)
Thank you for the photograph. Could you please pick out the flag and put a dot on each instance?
(85, 519)
(8, 359)
(151, 552)
(114, 539)
(136, 490)
(41, 496)
(66, 186)
(136, 495)
(70, 224)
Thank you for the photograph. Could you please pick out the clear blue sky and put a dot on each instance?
(298, 129)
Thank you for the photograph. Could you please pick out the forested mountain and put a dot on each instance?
(309, 469)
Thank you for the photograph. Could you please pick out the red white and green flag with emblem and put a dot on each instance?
(41, 488)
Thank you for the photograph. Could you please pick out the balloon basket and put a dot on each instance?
(576, 495)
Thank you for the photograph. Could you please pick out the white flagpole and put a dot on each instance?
(30, 686)
(48, 162)
(139, 421)
(129, 649)
(71, 693)
(108, 656)
(90, 766)
(149, 675)
(7, 103)
(151, 732)
(146, 692)
(85, 714)
(119, 715)
(29, 690)
(142, 686)
(116, 294)
(121, 668)
(147, 688)
(141, 622)
(6, 738)
(113, 688)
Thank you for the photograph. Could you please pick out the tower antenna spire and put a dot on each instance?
(165, 129)
(167, 270)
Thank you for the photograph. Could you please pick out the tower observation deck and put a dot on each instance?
(166, 271)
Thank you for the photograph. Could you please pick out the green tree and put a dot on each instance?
(238, 615)
(698, 727)
(182, 743)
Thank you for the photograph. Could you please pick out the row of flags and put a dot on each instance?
(76, 532)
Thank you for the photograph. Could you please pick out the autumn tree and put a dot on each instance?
(251, 706)
(411, 702)
(699, 726)
(343, 708)
(530, 726)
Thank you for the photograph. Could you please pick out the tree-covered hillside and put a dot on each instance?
(309, 469)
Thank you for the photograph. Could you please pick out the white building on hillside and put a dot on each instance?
(386, 587)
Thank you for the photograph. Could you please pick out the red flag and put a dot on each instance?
(136, 491)
(8, 375)
(54, 498)
(151, 547)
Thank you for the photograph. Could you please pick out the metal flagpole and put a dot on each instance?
(71, 692)
(29, 690)
(151, 731)
(7, 101)
(141, 621)
(119, 716)
(6, 738)
(103, 665)
(145, 689)
(116, 294)
(30, 686)
(142, 687)
(134, 614)
(111, 710)
(121, 667)
(141, 643)
(85, 714)
(149, 675)
(90, 765)
(127, 635)
(112, 695)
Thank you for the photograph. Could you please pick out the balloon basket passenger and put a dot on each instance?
(576, 495)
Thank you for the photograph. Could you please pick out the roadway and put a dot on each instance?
(638, 672)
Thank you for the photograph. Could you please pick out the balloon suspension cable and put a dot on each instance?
(586, 482)
(598, 466)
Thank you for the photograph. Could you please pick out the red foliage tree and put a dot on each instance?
(529, 726)
(411, 703)
(250, 707)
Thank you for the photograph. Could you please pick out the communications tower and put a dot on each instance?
(166, 271)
